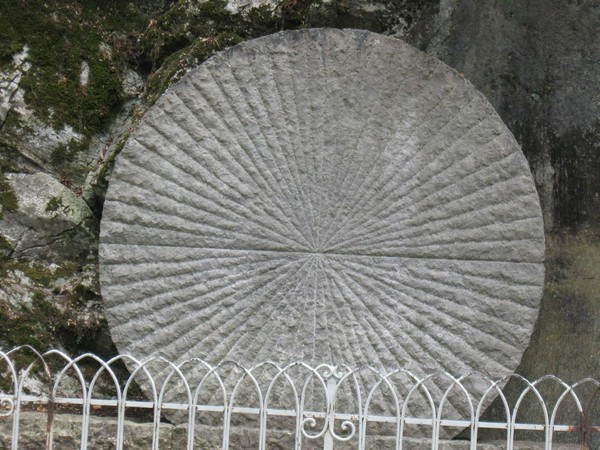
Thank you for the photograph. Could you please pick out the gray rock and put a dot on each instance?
(539, 65)
(329, 196)
(29, 145)
(51, 221)
(133, 84)
(240, 5)
(84, 76)
(32, 140)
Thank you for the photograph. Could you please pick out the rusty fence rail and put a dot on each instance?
(230, 406)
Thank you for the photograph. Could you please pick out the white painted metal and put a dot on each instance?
(236, 392)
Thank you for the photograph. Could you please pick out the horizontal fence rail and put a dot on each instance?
(123, 401)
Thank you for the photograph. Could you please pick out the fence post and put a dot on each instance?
(331, 388)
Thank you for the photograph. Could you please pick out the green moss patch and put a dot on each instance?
(58, 310)
(5, 247)
(183, 24)
(55, 205)
(180, 26)
(8, 202)
(126, 17)
(39, 273)
(45, 323)
(64, 160)
(60, 38)
(8, 198)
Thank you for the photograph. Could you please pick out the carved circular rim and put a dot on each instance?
(328, 196)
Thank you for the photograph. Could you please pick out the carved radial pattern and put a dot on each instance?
(326, 196)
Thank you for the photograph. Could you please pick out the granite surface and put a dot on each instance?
(328, 196)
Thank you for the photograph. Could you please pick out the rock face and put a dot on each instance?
(326, 196)
(539, 65)
(51, 222)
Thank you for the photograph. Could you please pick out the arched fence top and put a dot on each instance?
(322, 404)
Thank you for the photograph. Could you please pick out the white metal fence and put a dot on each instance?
(270, 406)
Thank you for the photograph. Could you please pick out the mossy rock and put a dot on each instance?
(175, 66)
(51, 223)
(8, 198)
(48, 306)
(60, 37)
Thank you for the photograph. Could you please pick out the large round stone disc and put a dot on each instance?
(325, 196)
